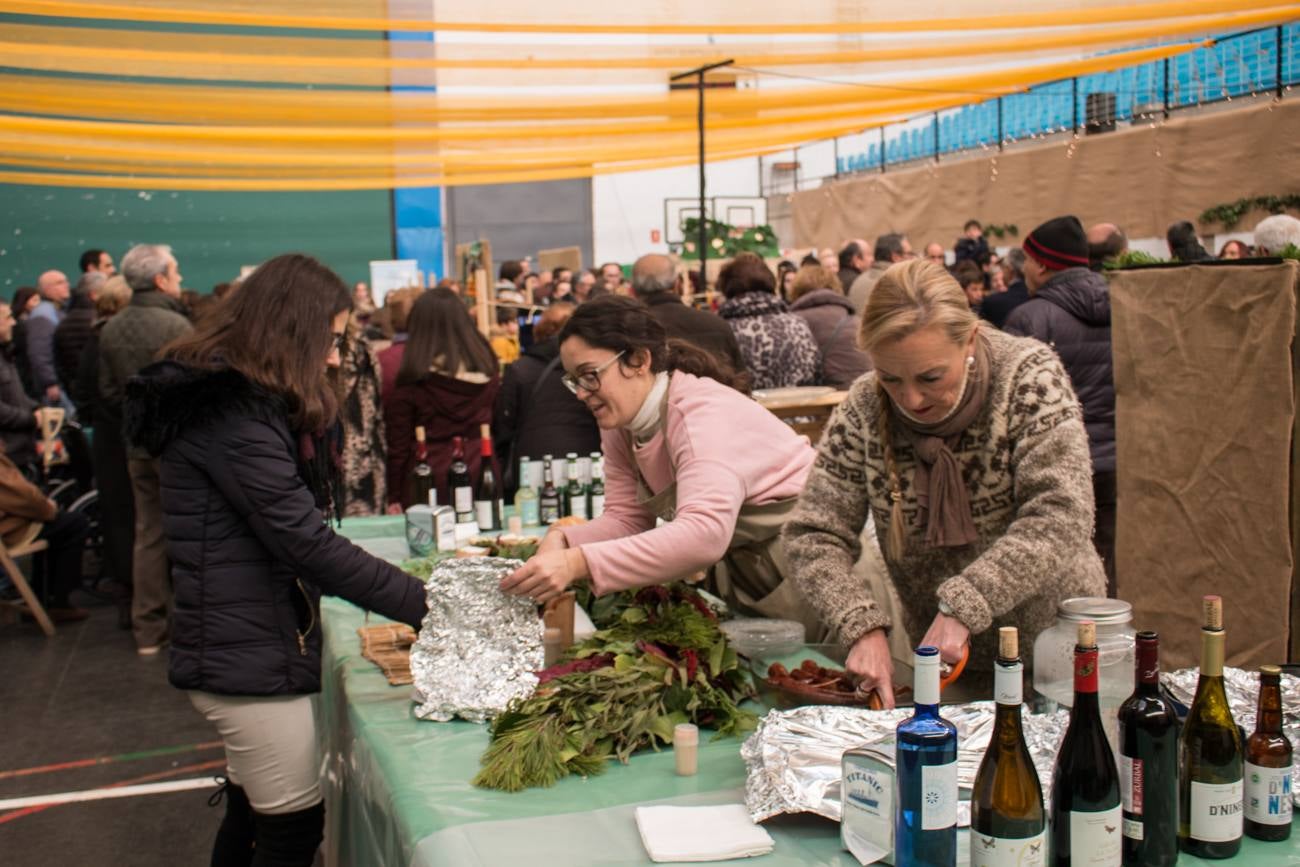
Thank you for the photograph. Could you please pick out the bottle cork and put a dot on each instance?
(1087, 634)
(552, 646)
(1008, 643)
(484, 431)
(686, 740)
(1212, 612)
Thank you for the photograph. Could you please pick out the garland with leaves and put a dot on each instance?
(1230, 214)
(726, 241)
(998, 230)
(658, 660)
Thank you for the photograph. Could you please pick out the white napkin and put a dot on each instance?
(701, 833)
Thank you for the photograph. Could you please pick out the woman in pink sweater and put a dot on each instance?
(683, 445)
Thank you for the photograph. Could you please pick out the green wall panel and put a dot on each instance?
(212, 233)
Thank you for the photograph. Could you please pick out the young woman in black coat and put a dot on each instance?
(242, 416)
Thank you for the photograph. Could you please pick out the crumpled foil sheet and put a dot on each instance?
(794, 756)
(478, 648)
(1242, 689)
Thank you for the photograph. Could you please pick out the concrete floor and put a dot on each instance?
(85, 694)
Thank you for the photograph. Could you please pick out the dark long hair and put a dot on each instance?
(622, 324)
(276, 331)
(441, 330)
(1183, 243)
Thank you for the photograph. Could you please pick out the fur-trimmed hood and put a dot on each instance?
(167, 398)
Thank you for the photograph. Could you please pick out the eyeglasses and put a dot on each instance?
(588, 380)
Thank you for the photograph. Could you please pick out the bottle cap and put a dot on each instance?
(1148, 636)
(927, 655)
(685, 735)
(1212, 612)
(1270, 671)
(1087, 634)
(1008, 643)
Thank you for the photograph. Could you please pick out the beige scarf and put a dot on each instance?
(940, 489)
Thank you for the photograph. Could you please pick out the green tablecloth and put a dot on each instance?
(398, 790)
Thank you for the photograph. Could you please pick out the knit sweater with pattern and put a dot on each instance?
(1026, 465)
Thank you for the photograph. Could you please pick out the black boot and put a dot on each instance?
(289, 839)
(234, 844)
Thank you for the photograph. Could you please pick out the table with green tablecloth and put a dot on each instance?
(398, 790)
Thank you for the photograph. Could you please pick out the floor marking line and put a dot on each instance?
(147, 778)
(132, 756)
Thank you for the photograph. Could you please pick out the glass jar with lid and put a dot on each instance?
(1116, 640)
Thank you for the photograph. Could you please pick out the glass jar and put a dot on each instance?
(1116, 641)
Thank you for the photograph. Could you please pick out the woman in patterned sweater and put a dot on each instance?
(969, 449)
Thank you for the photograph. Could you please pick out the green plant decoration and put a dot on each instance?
(1000, 230)
(1230, 214)
(726, 241)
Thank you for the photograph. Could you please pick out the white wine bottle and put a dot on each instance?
(1008, 827)
(1210, 755)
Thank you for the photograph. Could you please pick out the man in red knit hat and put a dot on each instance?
(1069, 310)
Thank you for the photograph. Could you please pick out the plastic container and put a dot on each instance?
(758, 637)
(1117, 641)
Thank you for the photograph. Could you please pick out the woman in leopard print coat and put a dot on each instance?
(778, 346)
(993, 528)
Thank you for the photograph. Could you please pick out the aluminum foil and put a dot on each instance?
(1242, 689)
(794, 756)
(478, 648)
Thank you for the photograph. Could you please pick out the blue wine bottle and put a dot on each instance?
(925, 811)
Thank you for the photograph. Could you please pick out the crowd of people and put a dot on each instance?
(229, 431)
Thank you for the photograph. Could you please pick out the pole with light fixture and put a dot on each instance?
(698, 72)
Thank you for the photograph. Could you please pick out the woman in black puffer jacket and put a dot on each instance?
(239, 412)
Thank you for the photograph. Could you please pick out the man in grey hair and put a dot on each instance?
(129, 341)
(890, 249)
(654, 281)
(1273, 234)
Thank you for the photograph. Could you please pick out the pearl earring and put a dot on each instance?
(970, 361)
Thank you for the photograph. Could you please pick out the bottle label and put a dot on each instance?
(462, 500)
(1008, 683)
(483, 514)
(1131, 780)
(550, 512)
(597, 505)
(938, 796)
(1095, 838)
(1268, 795)
(1007, 852)
(578, 506)
(1133, 829)
(529, 514)
(1085, 671)
(1216, 811)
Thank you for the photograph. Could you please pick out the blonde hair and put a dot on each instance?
(810, 278)
(112, 296)
(910, 296)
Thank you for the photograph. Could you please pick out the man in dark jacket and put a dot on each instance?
(1069, 310)
(998, 306)
(129, 341)
(536, 414)
(855, 257)
(42, 321)
(72, 334)
(17, 410)
(653, 280)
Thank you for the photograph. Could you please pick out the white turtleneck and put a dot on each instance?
(647, 419)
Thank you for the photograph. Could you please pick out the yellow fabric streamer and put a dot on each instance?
(1070, 17)
(278, 58)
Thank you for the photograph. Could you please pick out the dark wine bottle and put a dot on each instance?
(462, 490)
(575, 495)
(1148, 764)
(1008, 826)
(1086, 811)
(1210, 755)
(925, 811)
(549, 501)
(596, 490)
(420, 481)
(1268, 765)
(489, 499)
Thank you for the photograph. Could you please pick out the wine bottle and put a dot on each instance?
(575, 495)
(596, 491)
(526, 497)
(1148, 764)
(1086, 810)
(420, 480)
(462, 490)
(1268, 765)
(1210, 755)
(925, 812)
(549, 501)
(1008, 825)
(488, 505)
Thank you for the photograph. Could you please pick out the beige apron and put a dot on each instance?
(750, 577)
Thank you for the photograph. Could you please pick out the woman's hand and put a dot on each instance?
(547, 574)
(554, 540)
(870, 662)
(948, 634)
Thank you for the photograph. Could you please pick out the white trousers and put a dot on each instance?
(272, 749)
